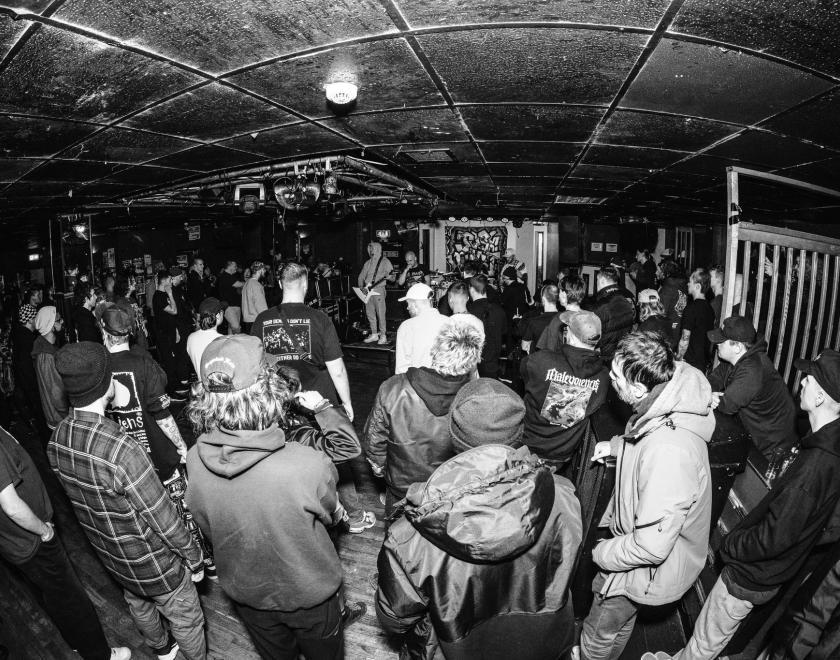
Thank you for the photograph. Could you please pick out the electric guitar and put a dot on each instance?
(365, 293)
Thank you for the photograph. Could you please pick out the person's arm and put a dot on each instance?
(669, 485)
(399, 605)
(259, 300)
(376, 433)
(22, 515)
(170, 430)
(171, 307)
(718, 376)
(238, 284)
(682, 347)
(402, 351)
(54, 401)
(333, 434)
(740, 392)
(338, 374)
(156, 404)
(328, 509)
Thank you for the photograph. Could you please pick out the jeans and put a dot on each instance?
(315, 632)
(182, 610)
(375, 309)
(233, 316)
(608, 626)
(65, 600)
(347, 494)
(719, 619)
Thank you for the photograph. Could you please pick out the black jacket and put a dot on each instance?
(492, 316)
(407, 430)
(755, 391)
(673, 293)
(514, 299)
(617, 314)
(479, 566)
(771, 544)
(331, 433)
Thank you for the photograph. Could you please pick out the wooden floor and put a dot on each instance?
(28, 634)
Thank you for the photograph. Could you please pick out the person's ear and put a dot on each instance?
(639, 391)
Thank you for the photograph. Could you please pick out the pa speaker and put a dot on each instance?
(568, 238)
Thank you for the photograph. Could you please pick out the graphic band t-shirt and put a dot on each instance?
(18, 545)
(305, 342)
(698, 318)
(414, 275)
(146, 384)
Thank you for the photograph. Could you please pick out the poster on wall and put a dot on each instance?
(193, 232)
(612, 247)
(110, 258)
(483, 245)
(147, 260)
(597, 247)
(183, 260)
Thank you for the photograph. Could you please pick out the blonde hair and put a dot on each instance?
(648, 309)
(457, 347)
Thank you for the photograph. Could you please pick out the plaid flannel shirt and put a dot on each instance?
(121, 504)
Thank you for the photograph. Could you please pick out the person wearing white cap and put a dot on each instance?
(416, 335)
(53, 398)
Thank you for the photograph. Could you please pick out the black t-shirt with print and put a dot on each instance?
(414, 275)
(305, 342)
(165, 323)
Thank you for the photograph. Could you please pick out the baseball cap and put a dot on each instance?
(648, 296)
(26, 313)
(175, 271)
(736, 328)
(116, 321)
(211, 306)
(232, 363)
(417, 291)
(586, 326)
(825, 368)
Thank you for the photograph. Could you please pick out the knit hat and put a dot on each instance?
(26, 313)
(486, 412)
(45, 320)
(232, 363)
(83, 368)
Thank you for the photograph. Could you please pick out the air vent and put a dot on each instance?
(428, 156)
(573, 199)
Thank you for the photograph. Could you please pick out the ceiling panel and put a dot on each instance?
(387, 74)
(537, 65)
(463, 152)
(769, 150)
(536, 181)
(802, 31)
(233, 112)
(220, 35)
(127, 146)
(290, 142)
(10, 32)
(12, 169)
(66, 76)
(143, 176)
(23, 136)
(207, 158)
(531, 122)
(709, 166)
(638, 13)
(401, 126)
(704, 81)
(824, 173)
(530, 152)
(71, 171)
(650, 159)
(646, 129)
(818, 121)
(609, 173)
(528, 169)
(445, 169)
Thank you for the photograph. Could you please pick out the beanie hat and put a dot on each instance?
(83, 368)
(45, 320)
(26, 313)
(486, 412)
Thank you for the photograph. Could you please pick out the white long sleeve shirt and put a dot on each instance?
(415, 337)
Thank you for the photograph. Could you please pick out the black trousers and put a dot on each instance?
(315, 632)
(65, 600)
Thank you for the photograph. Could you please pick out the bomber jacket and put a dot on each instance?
(479, 566)
(333, 433)
(754, 390)
(660, 511)
(617, 314)
(54, 400)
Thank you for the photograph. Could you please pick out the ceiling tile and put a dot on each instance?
(464, 152)
(535, 181)
(147, 175)
(127, 146)
(703, 81)
(818, 121)
(22, 136)
(71, 171)
(650, 159)
(233, 113)
(386, 72)
(769, 150)
(446, 169)
(10, 32)
(531, 122)
(66, 76)
(608, 173)
(547, 65)
(402, 126)
(528, 169)
(207, 158)
(802, 31)
(12, 169)
(645, 129)
(295, 141)
(637, 13)
(220, 35)
(530, 152)
(824, 173)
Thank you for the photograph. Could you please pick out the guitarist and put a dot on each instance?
(375, 273)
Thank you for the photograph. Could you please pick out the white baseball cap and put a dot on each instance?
(417, 291)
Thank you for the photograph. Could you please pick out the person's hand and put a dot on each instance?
(309, 400)
(348, 408)
(49, 532)
(198, 575)
(716, 399)
(602, 451)
(378, 470)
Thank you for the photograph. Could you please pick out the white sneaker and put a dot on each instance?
(382, 340)
(120, 653)
(372, 337)
(170, 651)
(575, 654)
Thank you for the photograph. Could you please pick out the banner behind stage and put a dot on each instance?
(483, 245)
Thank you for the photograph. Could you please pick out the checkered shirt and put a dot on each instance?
(121, 504)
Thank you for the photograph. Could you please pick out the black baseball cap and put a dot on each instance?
(825, 368)
(211, 306)
(736, 328)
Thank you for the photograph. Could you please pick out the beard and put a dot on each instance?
(625, 396)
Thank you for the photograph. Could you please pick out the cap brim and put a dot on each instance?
(716, 336)
(805, 366)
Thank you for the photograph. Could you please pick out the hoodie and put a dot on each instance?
(480, 564)
(563, 388)
(375, 270)
(265, 505)
(756, 392)
(660, 511)
(407, 430)
(54, 400)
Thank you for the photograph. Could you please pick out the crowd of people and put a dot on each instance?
(483, 525)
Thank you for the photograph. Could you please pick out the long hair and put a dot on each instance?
(253, 409)
(648, 309)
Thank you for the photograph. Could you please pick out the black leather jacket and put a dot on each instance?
(617, 314)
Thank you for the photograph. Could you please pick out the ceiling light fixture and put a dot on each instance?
(341, 93)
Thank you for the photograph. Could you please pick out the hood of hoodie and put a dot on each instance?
(759, 346)
(41, 345)
(230, 453)
(376, 252)
(585, 362)
(436, 390)
(487, 504)
(686, 398)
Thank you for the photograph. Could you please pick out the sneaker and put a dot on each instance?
(210, 571)
(353, 613)
(366, 521)
(372, 337)
(382, 340)
(574, 654)
(121, 653)
(169, 651)
(659, 655)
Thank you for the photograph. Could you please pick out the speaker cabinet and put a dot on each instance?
(568, 240)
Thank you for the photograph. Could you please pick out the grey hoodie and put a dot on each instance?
(371, 273)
